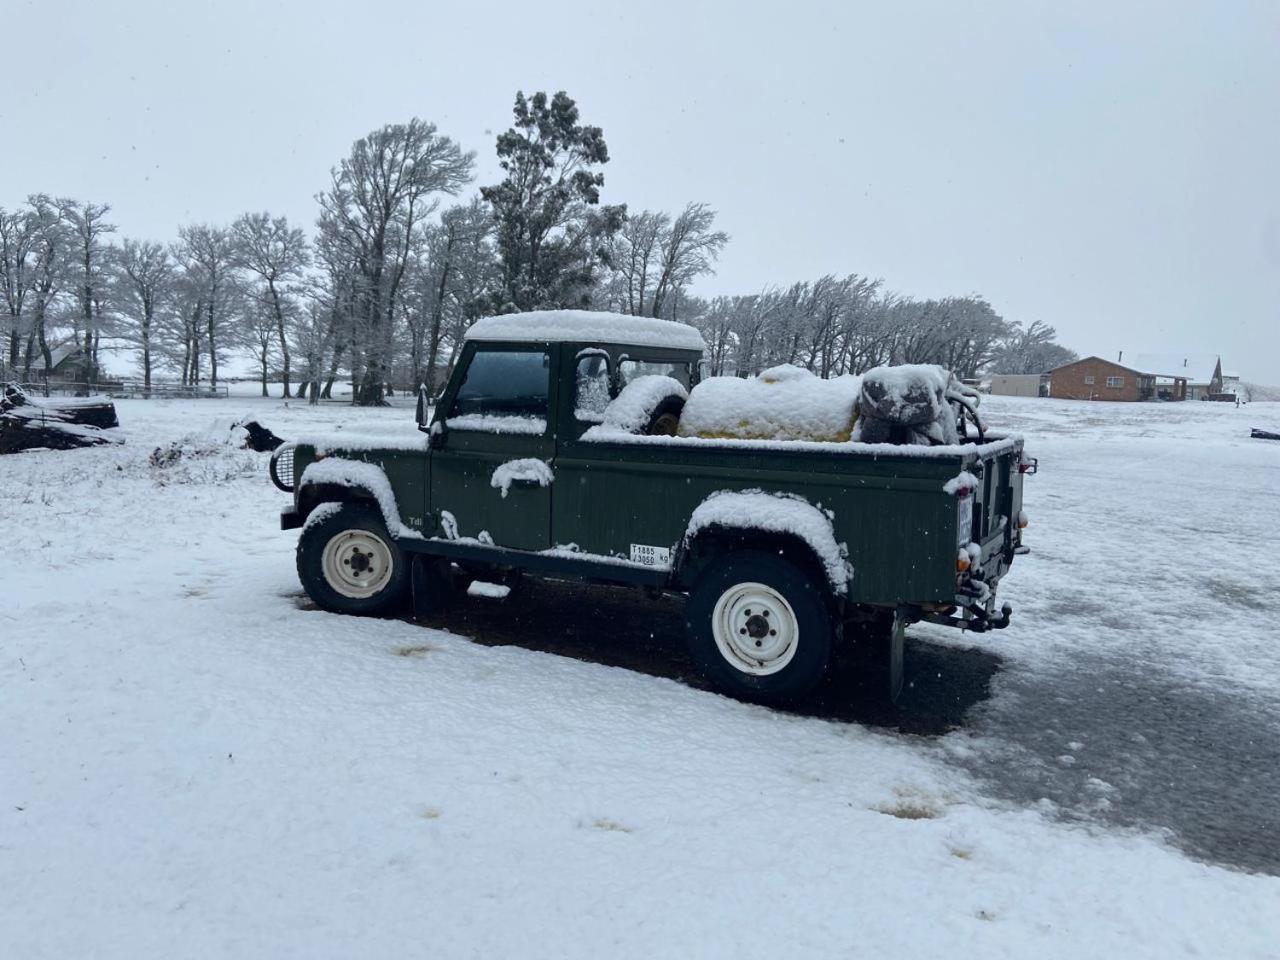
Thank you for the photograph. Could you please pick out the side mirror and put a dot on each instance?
(435, 435)
(423, 405)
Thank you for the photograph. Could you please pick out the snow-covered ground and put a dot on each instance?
(194, 762)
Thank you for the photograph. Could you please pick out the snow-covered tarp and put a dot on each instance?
(360, 475)
(909, 399)
(777, 513)
(540, 326)
(630, 410)
(530, 469)
(782, 403)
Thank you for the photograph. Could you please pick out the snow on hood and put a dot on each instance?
(541, 326)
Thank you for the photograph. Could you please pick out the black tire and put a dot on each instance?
(811, 621)
(358, 522)
(665, 417)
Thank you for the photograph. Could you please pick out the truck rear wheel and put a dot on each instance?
(759, 627)
(349, 563)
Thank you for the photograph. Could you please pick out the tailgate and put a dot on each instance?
(998, 500)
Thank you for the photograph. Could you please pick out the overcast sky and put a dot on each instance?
(1112, 169)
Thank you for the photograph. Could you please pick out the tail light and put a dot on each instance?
(1028, 465)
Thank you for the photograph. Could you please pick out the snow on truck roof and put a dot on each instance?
(542, 326)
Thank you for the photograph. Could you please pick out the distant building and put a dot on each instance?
(70, 364)
(1018, 385)
(1202, 372)
(1143, 376)
(1096, 379)
(1231, 383)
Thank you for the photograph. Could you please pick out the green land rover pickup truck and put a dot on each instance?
(788, 551)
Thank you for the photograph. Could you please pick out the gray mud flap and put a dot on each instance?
(897, 635)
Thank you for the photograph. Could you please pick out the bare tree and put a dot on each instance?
(635, 255)
(373, 212)
(1031, 350)
(277, 254)
(52, 248)
(87, 224)
(259, 334)
(653, 259)
(458, 265)
(208, 257)
(690, 248)
(19, 243)
(144, 273)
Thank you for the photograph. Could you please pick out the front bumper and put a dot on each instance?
(290, 519)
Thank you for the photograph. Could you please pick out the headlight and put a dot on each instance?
(281, 468)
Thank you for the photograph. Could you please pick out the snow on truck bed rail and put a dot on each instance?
(588, 326)
(994, 444)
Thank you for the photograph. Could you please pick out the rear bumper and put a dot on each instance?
(290, 519)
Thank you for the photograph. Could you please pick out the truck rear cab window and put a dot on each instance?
(629, 369)
(503, 391)
(591, 386)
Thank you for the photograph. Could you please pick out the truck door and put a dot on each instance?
(490, 466)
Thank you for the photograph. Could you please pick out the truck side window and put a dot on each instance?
(591, 386)
(503, 391)
(628, 370)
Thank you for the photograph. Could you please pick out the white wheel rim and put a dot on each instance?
(755, 629)
(357, 563)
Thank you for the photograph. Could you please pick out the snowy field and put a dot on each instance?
(196, 763)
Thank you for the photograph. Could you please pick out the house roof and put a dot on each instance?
(1119, 366)
(62, 351)
(1196, 367)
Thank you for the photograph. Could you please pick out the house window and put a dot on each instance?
(1090, 380)
(1115, 381)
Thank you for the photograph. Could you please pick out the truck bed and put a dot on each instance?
(887, 502)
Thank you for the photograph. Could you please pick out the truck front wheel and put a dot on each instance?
(348, 562)
(759, 627)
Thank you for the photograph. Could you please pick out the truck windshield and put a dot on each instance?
(504, 383)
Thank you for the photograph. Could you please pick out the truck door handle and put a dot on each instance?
(524, 482)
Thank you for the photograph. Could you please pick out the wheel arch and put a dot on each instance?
(714, 541)
(785, 523)
(311, 495)
(340, 480)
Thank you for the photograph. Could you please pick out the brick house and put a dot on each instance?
(1096, 379)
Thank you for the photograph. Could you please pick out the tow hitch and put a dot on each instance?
(974, 618)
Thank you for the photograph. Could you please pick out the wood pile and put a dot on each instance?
(29, 424)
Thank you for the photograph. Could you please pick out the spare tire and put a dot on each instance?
(665, 419)
(649, 404)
